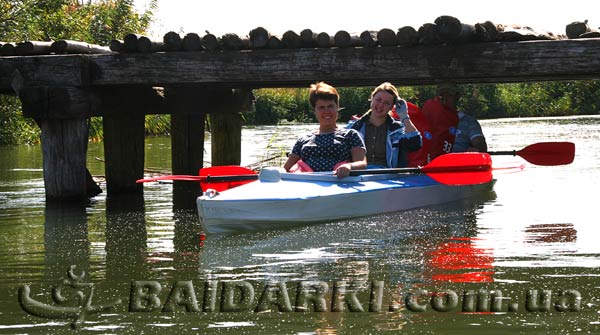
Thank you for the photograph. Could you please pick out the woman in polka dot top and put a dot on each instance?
(329, 148)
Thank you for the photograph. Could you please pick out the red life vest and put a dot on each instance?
(443, 123)
(420, 157)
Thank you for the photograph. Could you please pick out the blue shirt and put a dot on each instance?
(468, 128)
(323, 151)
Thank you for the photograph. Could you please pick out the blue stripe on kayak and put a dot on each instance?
(299, 189)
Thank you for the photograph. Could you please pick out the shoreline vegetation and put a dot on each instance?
(290, 105)
(100, 22)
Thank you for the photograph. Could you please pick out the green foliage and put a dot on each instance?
(481, 100)
(14, 129)
(158, 124)
(95, 22)
(274, 105)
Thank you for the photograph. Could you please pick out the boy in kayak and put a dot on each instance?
(452, 130)
(329, 148)
(387, 140)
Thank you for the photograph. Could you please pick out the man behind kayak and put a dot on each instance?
(452, 130)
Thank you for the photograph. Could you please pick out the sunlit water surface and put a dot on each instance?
(536, 231)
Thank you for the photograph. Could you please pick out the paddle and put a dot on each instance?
(219, 178)
(544, 153)
(450, 169)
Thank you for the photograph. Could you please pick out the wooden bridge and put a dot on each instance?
(61, 91)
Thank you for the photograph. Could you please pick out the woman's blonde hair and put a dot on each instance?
(322, 90)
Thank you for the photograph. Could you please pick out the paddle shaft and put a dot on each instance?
(422, 170)
(206, 179)
(504, 153)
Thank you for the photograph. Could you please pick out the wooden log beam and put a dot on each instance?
(464, 63)
(495, 62)
(76, 47)
(368, 39)
(449, 30)
(192, 42)
(33, 48)
(259, 38)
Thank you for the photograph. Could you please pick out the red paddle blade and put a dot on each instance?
(225, 170)
(460, 168)
(549, 153)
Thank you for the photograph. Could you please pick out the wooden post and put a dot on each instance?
(64, 148)
(61, 113)
(188, 106)
(226, 127)
(123, 111)
(124, 152)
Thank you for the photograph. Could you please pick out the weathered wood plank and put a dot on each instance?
(63, 70)
(475, 63)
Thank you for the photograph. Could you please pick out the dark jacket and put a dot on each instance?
(398, 143)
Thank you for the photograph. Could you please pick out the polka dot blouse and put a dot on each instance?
(323, 151)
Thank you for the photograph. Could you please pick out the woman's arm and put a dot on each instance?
(359, 162)
(292, 159)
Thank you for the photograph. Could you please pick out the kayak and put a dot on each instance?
(278, 198)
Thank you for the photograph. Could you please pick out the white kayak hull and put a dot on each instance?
(298, 198)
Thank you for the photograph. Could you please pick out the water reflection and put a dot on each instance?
(65, 240)
(520, 238)
(126, 239)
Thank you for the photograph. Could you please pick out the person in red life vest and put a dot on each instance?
(388, 141)
(452, 130)
(421, 156)
(329, 148)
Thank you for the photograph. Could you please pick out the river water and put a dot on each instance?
(524, 258)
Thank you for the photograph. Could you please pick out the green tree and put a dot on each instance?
(95, 22)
